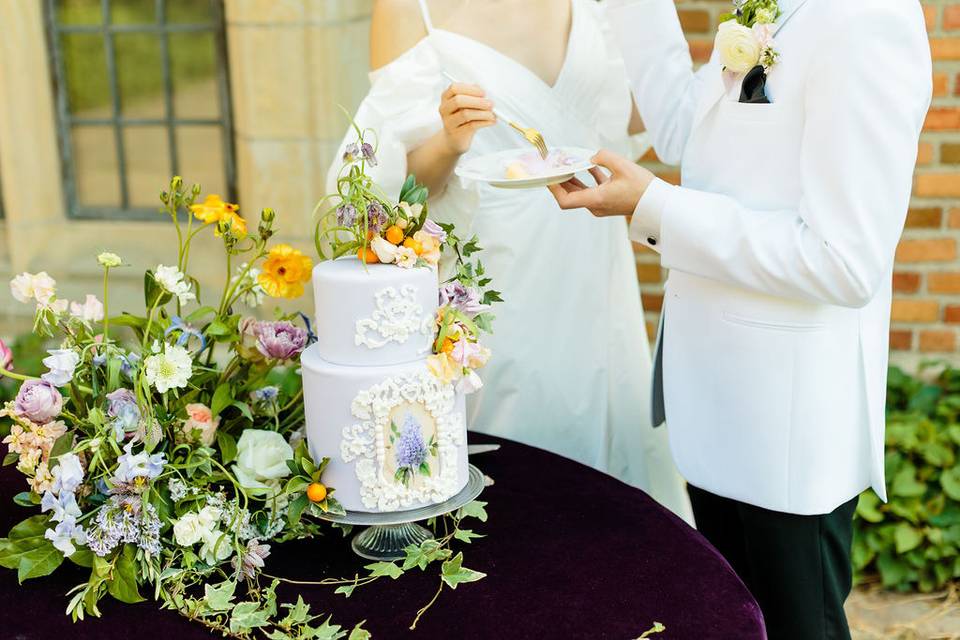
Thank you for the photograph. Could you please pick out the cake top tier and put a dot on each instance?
(374, 314)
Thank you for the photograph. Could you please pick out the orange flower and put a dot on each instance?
(214, 210)
(284, 272)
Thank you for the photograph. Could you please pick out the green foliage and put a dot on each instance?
(913, 542)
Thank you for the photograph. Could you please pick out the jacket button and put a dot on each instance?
(652, 241)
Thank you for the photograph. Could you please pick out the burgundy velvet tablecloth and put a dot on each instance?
(570, 553)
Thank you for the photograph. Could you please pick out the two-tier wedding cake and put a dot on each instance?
(395, 433)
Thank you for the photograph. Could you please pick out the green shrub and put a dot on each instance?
(913, 541)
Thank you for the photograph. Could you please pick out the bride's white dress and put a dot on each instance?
(571, 366)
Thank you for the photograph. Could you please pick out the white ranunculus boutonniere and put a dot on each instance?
(745, 37)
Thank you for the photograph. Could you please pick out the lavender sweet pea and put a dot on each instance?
(431, 228)
(38, 401)
(280, 340)
(454, 294)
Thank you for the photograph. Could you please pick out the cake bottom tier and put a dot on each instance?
(395, 435)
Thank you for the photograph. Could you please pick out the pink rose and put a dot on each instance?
(6, 356)
(38, 401)
(200, 419)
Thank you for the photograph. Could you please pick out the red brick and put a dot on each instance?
(925, 218)
(695, 21)
(951, 313)
(901, 339)
(905, 282)
(930, 16)
(950, 153)
(945, 48)
(904, 310)
(938, 341)
(951, 18)
(942, 119)
(925, 153)
(941, 84)
(927, 250)
(937, 185)
(953, 220)
(943, 282)
(700, 50)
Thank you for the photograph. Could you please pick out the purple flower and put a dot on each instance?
(280, 340)
(376, 216)
(466, 300)
(367, 150)
(351, 153)
(411, 450)
(346, 215)
(251, 562)
(431, 228)
(119, 400)
(122, 407)
(38, 401)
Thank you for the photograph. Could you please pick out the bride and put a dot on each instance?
(571, 365)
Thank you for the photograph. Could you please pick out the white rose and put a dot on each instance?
(188, 530)
(738, 47)
(386, 252)
(216, 548)
(209, 517)
(262, 460)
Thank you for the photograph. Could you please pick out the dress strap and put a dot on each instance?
(425, 11)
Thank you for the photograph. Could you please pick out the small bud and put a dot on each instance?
(196, 190)
(267, 215)
(164, 197)
(109, 260)
(176, 184)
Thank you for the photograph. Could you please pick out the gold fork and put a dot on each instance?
(531, 135)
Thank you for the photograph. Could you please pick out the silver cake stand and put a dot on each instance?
(388, 534)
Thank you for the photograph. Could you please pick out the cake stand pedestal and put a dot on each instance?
(388, 534)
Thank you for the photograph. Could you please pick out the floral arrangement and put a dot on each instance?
(165, 450)
(362, 220)
(745, 37)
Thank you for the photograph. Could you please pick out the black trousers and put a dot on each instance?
(797, 567)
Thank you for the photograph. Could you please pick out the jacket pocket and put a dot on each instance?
(773, 325)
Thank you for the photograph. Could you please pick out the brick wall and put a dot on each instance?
(926, 308)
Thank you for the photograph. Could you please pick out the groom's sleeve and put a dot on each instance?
(657, 59)
(868, 90)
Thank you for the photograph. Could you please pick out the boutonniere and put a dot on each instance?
(745, 37)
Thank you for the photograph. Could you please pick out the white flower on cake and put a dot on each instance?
(397, 316)
(262, 460)
(169, 369)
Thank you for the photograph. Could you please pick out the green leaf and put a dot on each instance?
(217, 328)
(466, 535)
(222, 398)
(950, 481)
(453, 573)
(346, 590)
(473, 509)
(388, 569)
(63, 444)
(359, 633)
(219, 597)
(123, 585)
(27, 499)
(228, 447)
(246, 616)
(296, 509)
(199, 314)
(10, 458)
(244, 409)
(40, 561)
(32, 527)
(82, 558)
(906, 537)
(867, 507)
(153, 293)
(905, 483)
(297, 613)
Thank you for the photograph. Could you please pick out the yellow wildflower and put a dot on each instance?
(284, 272)
(214, 210)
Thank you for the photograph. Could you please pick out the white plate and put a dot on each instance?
(492, 168)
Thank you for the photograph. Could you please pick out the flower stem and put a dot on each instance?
(16, 376)
(106, 308)
(427, 606)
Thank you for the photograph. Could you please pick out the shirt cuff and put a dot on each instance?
(648, 216)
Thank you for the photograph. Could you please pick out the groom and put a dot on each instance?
(797, 144)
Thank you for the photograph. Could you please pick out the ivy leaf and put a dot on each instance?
(246, 616)
(346, 590)
(453, 572)
(473, 509)
(218, 598)
(298, 613)
(423, 555)
(466, 535)
(906, 537)
(358, 632)
(388, 569)
(123, 585)
(327, 631)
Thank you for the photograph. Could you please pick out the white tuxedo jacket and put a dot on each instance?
(780, 243)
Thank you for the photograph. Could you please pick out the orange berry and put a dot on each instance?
(410, 243)
(367, 255)
(316, 492)
(394, 235)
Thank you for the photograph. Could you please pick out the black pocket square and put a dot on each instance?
(753, 89)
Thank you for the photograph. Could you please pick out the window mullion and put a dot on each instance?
(108, 47)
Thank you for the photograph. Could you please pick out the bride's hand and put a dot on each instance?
(464, 110)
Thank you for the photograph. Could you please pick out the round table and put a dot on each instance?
(569, 553)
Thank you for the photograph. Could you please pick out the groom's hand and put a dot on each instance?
(614, 195)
